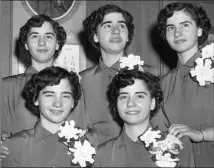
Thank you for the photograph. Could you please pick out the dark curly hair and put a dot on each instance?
(197, 13)
(37, 21)
(48, 77)
(91, 22)
(125, 78)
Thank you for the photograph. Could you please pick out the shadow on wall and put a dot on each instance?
(161, 47)
(22, 54)
(92, 54)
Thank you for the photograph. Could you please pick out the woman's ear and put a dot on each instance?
(96, 38)
(36, 103)
(26, 47)
(153, 104)
(200, 32)
(57, 46)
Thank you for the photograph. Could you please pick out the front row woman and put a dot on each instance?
(52, 94)
(135, 97)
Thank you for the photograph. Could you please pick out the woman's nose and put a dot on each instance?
(57, 102)
(131, 103)
(42, 41)
(116, 30)
(178, 32)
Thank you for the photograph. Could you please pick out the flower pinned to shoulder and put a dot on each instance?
(79, 147)
(69, 131)
(131, 62)
(150, 136)
(163, 147)
(203, 71)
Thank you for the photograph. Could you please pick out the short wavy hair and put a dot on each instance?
(197, 13)
(91, 23)
(37, 21)
(126, 78)
(48, 77)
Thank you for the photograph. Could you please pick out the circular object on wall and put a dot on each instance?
(58, 10)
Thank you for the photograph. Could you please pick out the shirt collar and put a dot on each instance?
(101, 66)
(190, 62)
(30, 70)
(41, 133)
(124, 140)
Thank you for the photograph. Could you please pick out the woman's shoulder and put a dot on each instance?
(19, 137)
(108, 145)
(89, 71)
(104, 153)
(17, 141)
(13, 78)
(168, 75)
(11, 82)
(17, 144)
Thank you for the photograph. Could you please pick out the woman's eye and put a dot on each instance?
(122, 97)
(107, 26)
(140, 96)
(48, 95)
(34, 36)
(67, 96)
(123, 26)
(49, 37)
(185, 25)
(170, 28)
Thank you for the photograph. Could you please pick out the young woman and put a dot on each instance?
(51, 95)
(134, 98)
(187, 105)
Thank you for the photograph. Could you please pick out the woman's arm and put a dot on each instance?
(208, 134)
(180, 130)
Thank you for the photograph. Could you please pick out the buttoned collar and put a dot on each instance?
(30, 71)
(101, 66)
(190, 62)
(124, 140)
(41, 133)
(185, 68)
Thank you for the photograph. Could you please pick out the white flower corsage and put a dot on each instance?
(79, 147)
(163, 147)
(131, 62)
(203, 71)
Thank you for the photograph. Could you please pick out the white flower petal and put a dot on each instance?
(149, 136)
(69, 131)
(161, 163)
(130, 61)
(82, 153)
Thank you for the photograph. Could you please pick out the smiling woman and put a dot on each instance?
(59, 10)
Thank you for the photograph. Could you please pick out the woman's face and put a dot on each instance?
(182, 32)
(112, 34)
(55, 102)
(42, 43)
(134, 103)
